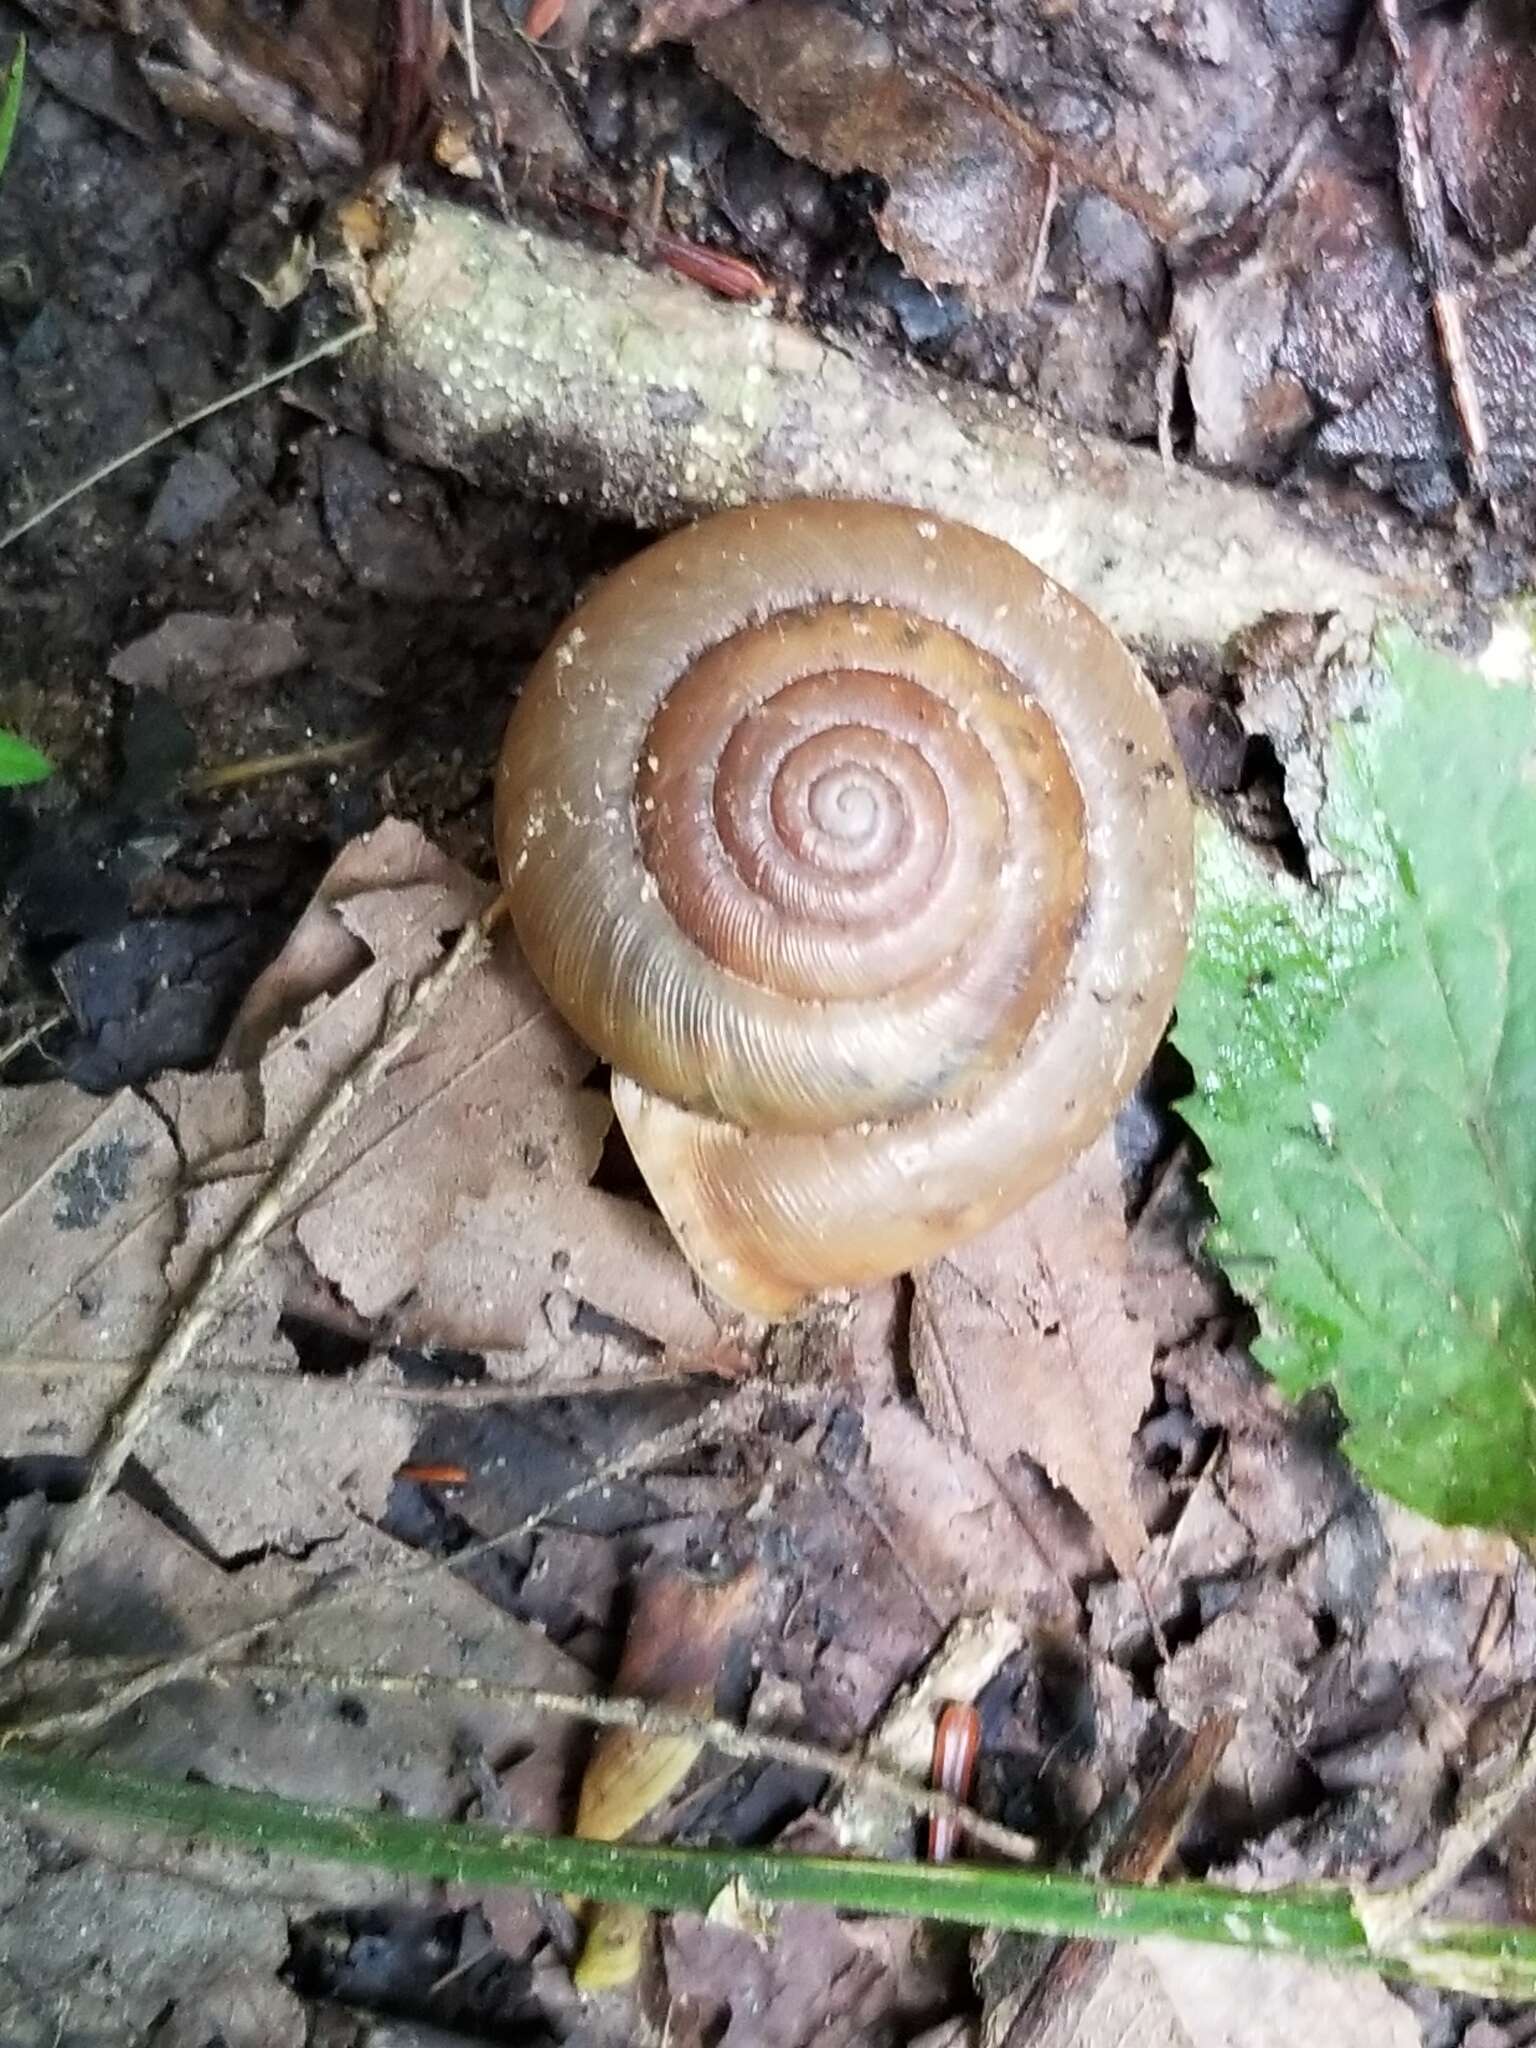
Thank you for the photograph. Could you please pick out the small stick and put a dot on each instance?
(40, 1578)
(1424, 210)
(610, 1710)
(360, 1387)
(712, 1422)
(227, 774)
(484, 127)
(1043, 233)
(1150, 1838)
(316, 354)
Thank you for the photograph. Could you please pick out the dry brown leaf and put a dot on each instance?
(676, 21)
(453, 1210)
(140, 1590)
(1022, 1343)
(89, 1206)
(822, 1982)
(679, 1635)
(966, 192)
(1171, 1995)
(192, 653)
(951, 1523)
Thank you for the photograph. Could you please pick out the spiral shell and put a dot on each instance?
(859, 849)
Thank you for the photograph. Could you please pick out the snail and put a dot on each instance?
(859, 849)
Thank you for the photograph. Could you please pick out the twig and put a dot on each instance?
(38, 1583)
(226, 774)
(19, 1044)
(1042, 234)
(484, 127)
(1424, 209)
(748, 1745)
(349, 1389)
(738, 1411)
(1068, 1977)
(316, 354)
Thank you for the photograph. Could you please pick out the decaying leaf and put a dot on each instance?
(192, 653)
(679, 1635)
(820, 1982)
(119, 1951)
(1169, 1995)
(667, 21)
(455, 1210)
(1365, 1059)
(1022, 1343)
(1305, 323)
(966, 189)
(312, 82)
(1480, 126)
(140, 1590)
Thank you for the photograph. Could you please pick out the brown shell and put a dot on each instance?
(860, 850)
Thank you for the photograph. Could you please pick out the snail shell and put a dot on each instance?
(860, 850)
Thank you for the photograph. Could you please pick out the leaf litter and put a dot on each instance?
(976, 1440)
(408, 1226)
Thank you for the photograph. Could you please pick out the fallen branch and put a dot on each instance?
(38, 1583)
(1318, 1925)
(530, 363)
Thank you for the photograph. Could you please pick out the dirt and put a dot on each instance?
(268, 586)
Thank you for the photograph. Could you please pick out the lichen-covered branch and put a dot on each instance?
(528, 362)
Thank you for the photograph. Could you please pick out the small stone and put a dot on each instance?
(197, 490)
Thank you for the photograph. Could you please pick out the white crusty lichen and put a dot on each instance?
(643, 395)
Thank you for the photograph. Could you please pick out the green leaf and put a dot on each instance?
(10, 99)
(21, 763)
(1366, 1071)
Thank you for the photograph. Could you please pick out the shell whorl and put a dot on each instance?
(823, 823)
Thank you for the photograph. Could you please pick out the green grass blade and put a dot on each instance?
(10, 99)
(1318, 1924)
(21, 763)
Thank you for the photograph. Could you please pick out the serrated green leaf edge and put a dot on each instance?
(10, 100)
(1381, 1224)
(21, 763)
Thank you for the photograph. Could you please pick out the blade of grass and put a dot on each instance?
(337, 342)
(1320, 1925)
(10, 99)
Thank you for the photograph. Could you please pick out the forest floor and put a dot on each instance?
(272, 662)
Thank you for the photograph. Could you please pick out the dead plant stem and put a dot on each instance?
(1424, 209)
(268, 378)
(645, 1717)
(736, 1412)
